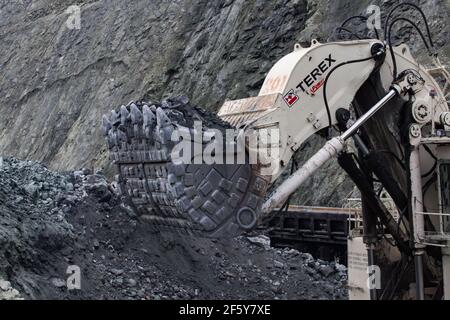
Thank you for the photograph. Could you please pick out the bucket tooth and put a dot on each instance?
(136, 114)
(115, 118)
(124, 115)
(106, 125)
(149, 117)
(112, 138)
(149, 121)
(164, 127)
(162, 119)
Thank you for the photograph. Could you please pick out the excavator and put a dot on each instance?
(387, 121)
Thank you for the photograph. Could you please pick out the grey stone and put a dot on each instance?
(118, 281)
(117, 272)
(261, 240)
(69, 186)
(5, 285)
(292, 252)
(310, 271)
(131, 282)
(326, 270)
(31, 188)
(340, 268)
(278, 264)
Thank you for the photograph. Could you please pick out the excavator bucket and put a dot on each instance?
(209, 200)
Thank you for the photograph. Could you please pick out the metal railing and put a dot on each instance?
(356, 204)
(442, 77)
(441, 236)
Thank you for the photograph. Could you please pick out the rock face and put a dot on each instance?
(57, 80)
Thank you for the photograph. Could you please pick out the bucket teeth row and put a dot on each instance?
(162, 119)
(149, 121)
(124, 115)
(106, 125)
(136, 114)
(142, 119)
(149, 117)
(203, 200)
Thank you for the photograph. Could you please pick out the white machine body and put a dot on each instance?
(291, 101)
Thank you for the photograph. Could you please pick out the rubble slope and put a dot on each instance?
(50, 221)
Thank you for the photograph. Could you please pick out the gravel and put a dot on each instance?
(50, 221)
(7, 292)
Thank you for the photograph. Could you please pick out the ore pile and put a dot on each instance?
(50, 221)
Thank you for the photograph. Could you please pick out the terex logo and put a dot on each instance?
(316, 74)
(290, 98)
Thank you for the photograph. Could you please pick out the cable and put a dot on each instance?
(415, 7)
(401, 220)
(362, 18)
(431, 170)
(325, 99)
(405, 267)
(353, 18)
(427, 186)
(339, 29)
(387, 31)
(391, 49)
(427, 149)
